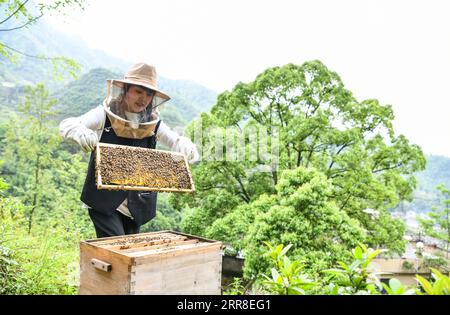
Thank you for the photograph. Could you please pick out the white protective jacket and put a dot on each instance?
(75, 128)
(91, 125)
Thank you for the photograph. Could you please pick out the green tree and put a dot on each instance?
(40, 172)
(438, 223)
(319, 124)
(301, 213)
(29, 147)
(355, 278)
(286, 277)
(41, 262)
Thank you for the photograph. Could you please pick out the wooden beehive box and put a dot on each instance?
(163, 262)
(119, 167)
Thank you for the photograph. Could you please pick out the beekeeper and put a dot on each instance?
(128, 116)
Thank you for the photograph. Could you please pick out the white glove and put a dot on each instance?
(185, 146)
(86, 138)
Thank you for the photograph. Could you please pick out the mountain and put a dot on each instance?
(89, 89)
(199, 98)
(188, 99)
(426, 195)
(42, 40)
(437, 172)
(83, 94)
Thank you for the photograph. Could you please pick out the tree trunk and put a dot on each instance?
(35, 193)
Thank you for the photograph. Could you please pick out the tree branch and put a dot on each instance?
(338, 173)
(26, 55)
(246, 197)
(228, 174)
(299, 158)
(205, 188)
(388, 168)
(15, 12)
(345, 202)
(337, 153)
(22, 26)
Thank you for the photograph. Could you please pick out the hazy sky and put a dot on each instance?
(395, 51)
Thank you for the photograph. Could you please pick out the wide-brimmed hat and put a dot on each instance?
(144, 75)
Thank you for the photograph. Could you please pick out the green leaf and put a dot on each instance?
(334, 271)
(437, 273)
(354, 265)
(284, 251)
(395, 285)
(344, 265)
(296, 291)
(387, 288)
(374, 254)
(275, 275)
(358, 253)
(426, 285)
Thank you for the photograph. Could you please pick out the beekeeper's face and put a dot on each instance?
(137, 98)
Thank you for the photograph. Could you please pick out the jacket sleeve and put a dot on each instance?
(167, 136)
(72, 127)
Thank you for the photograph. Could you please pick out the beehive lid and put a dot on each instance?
(120, 167)
(153, 244)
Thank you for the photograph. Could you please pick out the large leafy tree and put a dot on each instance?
(29, 146)
(40, 172)
(319, 124)
(300, 213)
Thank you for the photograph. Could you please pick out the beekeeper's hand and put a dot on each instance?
(185, 146)
(86, 138)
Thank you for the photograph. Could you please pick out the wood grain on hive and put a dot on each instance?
(120, 167)
(163, 262)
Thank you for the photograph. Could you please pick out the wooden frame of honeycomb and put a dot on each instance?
(119, 167)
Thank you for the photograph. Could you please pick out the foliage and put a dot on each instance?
(395, 287)
(302, 214)
(45, 177)
(199, 216)
(440, 285)
(29, 146)
(355, 278)
(8, 265)
(42, 221)
(438, 223)
(166, 217)
(319, 124)
(8, 268)
(19, 14)
(287, 277)
(236, 288)
(234, 227)
(435, 261)
(36, 263)
(408, 265)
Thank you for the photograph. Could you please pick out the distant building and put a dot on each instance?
(419, 253)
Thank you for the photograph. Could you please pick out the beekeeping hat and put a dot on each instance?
(125, 123)
(144, 75)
